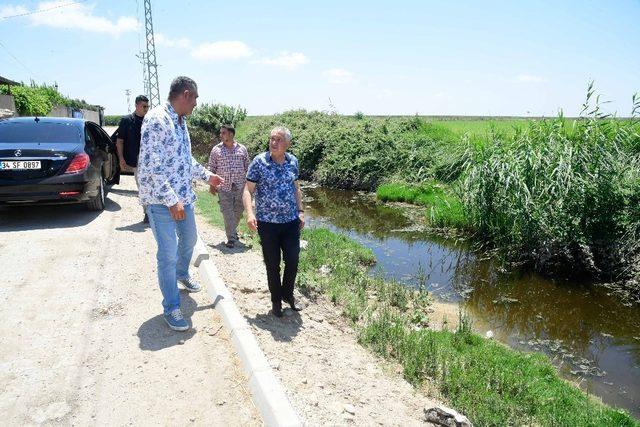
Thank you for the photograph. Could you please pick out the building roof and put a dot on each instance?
(8, 82)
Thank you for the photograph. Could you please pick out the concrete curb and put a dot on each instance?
(268, 394)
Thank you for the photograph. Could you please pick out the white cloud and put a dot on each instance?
(338, 75)
(528, 78)
(6, 11)
(287, 60)
(61, 14)
(222, 50)
(162, 40)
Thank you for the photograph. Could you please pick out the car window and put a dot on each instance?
(89, 138)
(38, 132)
(99, 135)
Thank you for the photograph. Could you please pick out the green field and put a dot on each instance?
(472, 126)
(481, 127)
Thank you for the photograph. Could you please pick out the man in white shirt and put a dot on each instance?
(166, 169)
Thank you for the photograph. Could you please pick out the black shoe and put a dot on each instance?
(292, 303)
(277, 310)
(145, 219)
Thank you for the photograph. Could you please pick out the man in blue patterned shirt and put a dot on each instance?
(279, 217)
(165, 172)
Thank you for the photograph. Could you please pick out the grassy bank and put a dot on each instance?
(490, 383)
(444, 207)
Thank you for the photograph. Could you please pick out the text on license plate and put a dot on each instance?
(20, 164)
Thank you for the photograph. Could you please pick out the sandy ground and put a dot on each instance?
(83, 341)
(315, 353)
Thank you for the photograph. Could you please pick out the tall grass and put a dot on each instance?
(561, 199)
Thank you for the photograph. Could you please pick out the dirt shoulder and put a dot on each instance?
(83, 338)
(315, 353)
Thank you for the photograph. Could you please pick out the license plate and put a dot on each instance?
(20, 164)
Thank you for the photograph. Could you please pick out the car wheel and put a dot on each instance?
(97, 203)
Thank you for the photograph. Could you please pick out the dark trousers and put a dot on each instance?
(275, 238)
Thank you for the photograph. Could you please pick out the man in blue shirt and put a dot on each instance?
(279, 217)
(166, 169)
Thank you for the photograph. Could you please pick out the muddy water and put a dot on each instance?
(592, 337)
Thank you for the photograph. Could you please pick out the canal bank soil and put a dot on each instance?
(83, 340)
(328, 376)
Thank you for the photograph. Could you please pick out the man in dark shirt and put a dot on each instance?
(128, 140)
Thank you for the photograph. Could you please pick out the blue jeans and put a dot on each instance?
(176, 240)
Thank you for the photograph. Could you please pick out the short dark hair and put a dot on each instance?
(230, 128)
(180, 84)
(141, 98)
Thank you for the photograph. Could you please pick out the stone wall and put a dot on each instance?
(7, 103)
(62, 111)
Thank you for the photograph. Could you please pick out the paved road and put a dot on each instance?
(82, 336)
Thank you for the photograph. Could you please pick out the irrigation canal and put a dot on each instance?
(592, 337)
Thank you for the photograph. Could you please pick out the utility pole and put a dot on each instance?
(128, 93)
(145, 78)
(152, 66)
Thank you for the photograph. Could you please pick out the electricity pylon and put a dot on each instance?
(152, 66)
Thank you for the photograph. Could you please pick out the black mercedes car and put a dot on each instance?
(51, 160)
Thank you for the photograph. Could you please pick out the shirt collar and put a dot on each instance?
(233, 147)
(287, 158)
(172, 113)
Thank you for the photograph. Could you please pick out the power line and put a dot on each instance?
(43, 10)
(17, 60)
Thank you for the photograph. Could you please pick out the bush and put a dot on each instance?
(34, 100)
(112, 120)
(209, 117)
(205, 123)
(37, 100)
(361, 152)
(201, 144)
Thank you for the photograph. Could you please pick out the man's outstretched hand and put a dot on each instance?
(216, 180)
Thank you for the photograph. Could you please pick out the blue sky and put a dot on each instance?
(401, 57)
